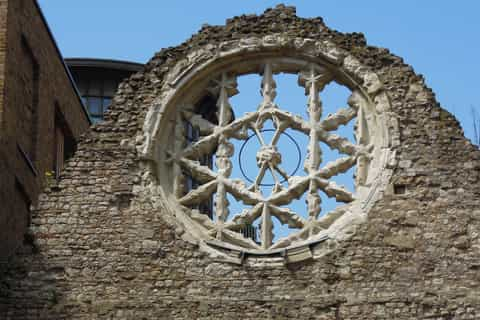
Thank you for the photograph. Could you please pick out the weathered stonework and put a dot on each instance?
(105, 247)
(377, 137)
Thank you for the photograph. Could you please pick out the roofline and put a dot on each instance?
(104, 63)
(69, 75)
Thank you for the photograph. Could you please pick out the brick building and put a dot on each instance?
(41, 115)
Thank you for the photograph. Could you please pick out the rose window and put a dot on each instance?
(208, 141)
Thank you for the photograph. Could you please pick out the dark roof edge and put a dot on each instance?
(104, 63)
(70, 78)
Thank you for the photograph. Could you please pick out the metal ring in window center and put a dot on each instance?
(299, 153)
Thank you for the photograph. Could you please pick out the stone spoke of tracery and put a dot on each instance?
(199, 194)
(225, 150)
(287, 216)
(238, 189)
(204, 126)
(335, 167)
(313, 81)
(341, 144)
(200, 172)
(334, 121)
(284, 215)
(268, 155)
(246, 217)
(206, 144)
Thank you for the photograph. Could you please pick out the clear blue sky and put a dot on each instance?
(439, 38)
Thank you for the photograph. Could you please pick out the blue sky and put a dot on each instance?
(439, 38)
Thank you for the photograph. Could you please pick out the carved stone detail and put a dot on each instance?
(376, 131)
(264, 207)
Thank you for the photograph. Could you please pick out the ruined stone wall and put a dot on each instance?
(27, 128)
(102, 250)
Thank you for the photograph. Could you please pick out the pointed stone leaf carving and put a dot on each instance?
(332, 190)
(239, 240)
(335, 167)
(246, 217)
(199, 194)
(341, 117)
(339, 143)
(200, 172)
(204, 126)
(287, 216)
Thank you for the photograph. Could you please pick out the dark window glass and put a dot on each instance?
(109, 88)
(95, 88)
(207, 207)
(95, 106)
(65, 144)
(96, 119)
(27, 100)
(188, 131)
(191, 134)
(82, 86)
(190, 183)
(106, 103)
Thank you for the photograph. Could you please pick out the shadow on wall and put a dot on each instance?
(42, 299)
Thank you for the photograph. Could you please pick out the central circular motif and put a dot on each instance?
(270, 156)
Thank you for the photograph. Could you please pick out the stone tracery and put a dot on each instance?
(215, 138)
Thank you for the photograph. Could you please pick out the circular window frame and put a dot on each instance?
(189, 77)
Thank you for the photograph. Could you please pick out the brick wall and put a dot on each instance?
(35, 81)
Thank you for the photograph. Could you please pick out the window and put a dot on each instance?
(59, 149)
(65, 144)
(27, 101)
(207, 110)
(97, 96)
